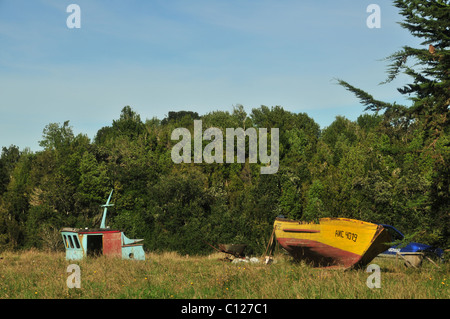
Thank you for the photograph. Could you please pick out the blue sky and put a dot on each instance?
(197, 55)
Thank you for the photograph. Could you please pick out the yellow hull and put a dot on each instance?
(333, 241)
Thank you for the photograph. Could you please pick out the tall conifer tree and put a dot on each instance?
(429, 92)
(430, 72)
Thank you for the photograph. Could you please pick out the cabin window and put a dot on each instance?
(75, 240)
(65, 241)
(70, 242)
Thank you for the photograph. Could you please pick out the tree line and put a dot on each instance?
(390, 165)
(368, 169)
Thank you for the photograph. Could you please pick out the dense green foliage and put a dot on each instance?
(351, 169)
(387, 168)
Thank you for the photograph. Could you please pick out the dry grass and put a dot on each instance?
(36, 274)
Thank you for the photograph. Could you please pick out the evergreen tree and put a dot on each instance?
(429, 92)
(428, 20)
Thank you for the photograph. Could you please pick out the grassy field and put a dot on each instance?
(43, 275)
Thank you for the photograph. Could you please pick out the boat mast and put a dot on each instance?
(102, 225)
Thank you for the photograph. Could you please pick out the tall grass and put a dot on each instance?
(35, 274)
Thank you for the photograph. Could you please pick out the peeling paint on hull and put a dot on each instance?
(317, 253)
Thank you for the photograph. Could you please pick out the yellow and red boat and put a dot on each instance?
(333, 242)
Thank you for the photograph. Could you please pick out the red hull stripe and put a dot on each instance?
(99, 232)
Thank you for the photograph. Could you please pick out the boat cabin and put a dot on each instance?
(80, 243)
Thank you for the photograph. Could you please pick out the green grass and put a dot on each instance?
(34, 274)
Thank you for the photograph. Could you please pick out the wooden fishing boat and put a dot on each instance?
(333, 242)
(82, 242)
